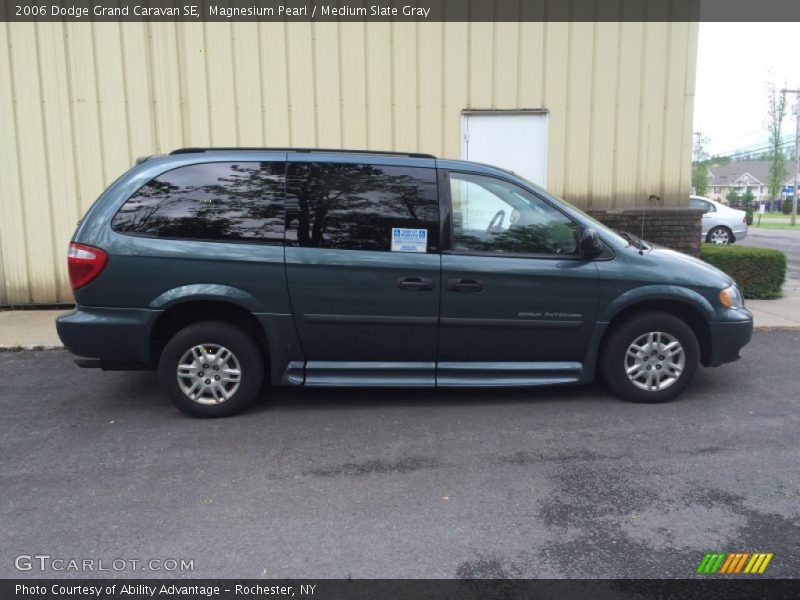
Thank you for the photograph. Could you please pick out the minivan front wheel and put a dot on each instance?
(211, 369)
(651, 358)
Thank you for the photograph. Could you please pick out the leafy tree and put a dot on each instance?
(700, 165)
(733, 198)
(776, 110)
(747, 198)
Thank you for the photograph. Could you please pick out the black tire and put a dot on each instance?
(613, 359)
(720, 229)
(210, 334)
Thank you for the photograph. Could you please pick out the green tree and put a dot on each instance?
(776, 110)
(747, 198)
(700, 165)
(733, 198)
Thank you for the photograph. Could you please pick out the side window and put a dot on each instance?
(210, 201)
(491, 215)
(702, 204)
(357, 206)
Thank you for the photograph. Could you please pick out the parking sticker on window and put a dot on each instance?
(409, 240)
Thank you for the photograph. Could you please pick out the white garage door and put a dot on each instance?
(515, 141)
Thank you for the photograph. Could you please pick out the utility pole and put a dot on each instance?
(796, 111)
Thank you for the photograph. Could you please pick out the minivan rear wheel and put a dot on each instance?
(211, 369)
(650, 358)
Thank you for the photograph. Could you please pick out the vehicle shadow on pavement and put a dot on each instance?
(314, 398)
(144, 387)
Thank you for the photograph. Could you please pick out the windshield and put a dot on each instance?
(602, 230)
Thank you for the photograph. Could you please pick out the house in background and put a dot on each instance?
(743, 175)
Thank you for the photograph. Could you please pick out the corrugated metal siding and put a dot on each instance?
(78, 103)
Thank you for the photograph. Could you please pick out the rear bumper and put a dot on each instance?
(112, 335)
(729, 337)
(739, 235)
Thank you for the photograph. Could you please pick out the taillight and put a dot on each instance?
(84, 264)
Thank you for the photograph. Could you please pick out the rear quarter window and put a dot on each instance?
(220, 201)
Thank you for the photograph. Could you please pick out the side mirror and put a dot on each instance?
(590, 245)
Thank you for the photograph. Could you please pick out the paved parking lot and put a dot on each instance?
(371, 483)
(788, 242)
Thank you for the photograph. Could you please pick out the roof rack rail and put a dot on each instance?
(336, 150)
(141, 159)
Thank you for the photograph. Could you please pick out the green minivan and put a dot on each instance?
(224, 268)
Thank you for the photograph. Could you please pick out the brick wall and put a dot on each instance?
(676, 228)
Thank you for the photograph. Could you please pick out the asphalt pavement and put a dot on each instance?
(788, 242)
(565, 482)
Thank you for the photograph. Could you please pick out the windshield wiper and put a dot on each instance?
(634, 240)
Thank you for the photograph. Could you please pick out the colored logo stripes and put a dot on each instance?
(734, 562)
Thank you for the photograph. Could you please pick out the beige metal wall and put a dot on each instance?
(78, 103)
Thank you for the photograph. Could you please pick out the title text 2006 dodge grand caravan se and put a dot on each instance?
(221, 267)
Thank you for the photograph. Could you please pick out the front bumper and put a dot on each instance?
(108, 334)
(729, 337)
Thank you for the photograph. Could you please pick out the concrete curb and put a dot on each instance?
(30, 348)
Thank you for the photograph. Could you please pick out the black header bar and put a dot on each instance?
(746, 587)
(400, 10)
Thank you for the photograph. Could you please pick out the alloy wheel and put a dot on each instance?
(654, 361)
(720, 236)
(209, 374)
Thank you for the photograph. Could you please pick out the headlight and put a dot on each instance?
(731, 297)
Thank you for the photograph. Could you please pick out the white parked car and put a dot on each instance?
(721, 224)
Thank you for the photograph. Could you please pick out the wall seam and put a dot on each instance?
(73, 133)
(443, 89)
(567, 110)
(93, 41)
(207, 79)
(665, 107)
(237, 110)
(639, 184)
(315, 87)
(592, 113)
(262, 104)
(183, 86)
(288, 83)
(47, 166)
(417, 88)
(392, 90)
(367, 131)
(15, 116)
(340, 73)
(152, 80)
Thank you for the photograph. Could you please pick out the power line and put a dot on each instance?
(762, 149)
(757, 147)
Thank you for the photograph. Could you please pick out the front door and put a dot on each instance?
(363, 268)
(518, 304)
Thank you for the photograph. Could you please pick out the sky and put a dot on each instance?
(734, 63)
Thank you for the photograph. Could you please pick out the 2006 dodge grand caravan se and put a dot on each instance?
(221, 267)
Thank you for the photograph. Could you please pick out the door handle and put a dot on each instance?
(465, 285)
(415, 284)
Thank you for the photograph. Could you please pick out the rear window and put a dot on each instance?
(221, 201)
(356, 206)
